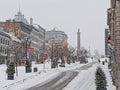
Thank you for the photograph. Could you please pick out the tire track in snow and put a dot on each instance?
(84, 79)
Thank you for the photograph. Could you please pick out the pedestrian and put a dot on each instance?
(99, 60)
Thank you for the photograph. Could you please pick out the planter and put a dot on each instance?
(35, 69)
(101, 88)
(10, 77)
(62, 65)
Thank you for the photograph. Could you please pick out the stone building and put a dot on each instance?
(37, 37)
(114, 43)
(10, 48)
(56, 39)
(57, 36)
(5, 41)
(15, 50)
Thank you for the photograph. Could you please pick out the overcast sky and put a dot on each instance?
(67, 15)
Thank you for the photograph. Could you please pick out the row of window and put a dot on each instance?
(4, 41)
(3, 50)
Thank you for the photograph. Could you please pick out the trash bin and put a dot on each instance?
(35, 69)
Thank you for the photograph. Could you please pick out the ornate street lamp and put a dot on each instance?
(26, 43)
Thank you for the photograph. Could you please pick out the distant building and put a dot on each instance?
(55, 34)
(56, 37)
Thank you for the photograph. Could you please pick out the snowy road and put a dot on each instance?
(84, 80)
(57, 83)
(62, 80)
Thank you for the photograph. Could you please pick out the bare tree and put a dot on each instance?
(84, 54)
(57, 51)
(71, 55)
(17, 55)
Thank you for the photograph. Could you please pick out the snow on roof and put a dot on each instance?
(13, 37)
(10, 35)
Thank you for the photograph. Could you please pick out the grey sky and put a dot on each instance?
(67, 15)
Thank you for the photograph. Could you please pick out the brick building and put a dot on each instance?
(20, 27)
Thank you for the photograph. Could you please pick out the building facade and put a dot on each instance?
(56, 41)
(21, 28)
(55, 34)
(37, 37)
(5, 41)
(114, 42)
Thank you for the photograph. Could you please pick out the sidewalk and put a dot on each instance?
(108, 76)
(26, 80)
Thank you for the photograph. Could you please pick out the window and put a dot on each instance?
(1, 40)
(1, 49)
(8, 42)
(5, 51)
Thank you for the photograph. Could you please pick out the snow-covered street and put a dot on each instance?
(86, 79)
(83, 81)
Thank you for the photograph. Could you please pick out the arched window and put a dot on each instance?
(8, 42)
(3, 41)
(5, 51)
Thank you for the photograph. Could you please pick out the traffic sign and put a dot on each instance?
(44, 57)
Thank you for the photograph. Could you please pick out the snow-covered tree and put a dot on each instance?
(100, 79)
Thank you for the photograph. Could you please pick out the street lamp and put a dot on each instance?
(8, 54)
(26, 43)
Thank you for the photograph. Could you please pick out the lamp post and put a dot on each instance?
(26, 43)
(8, 54)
